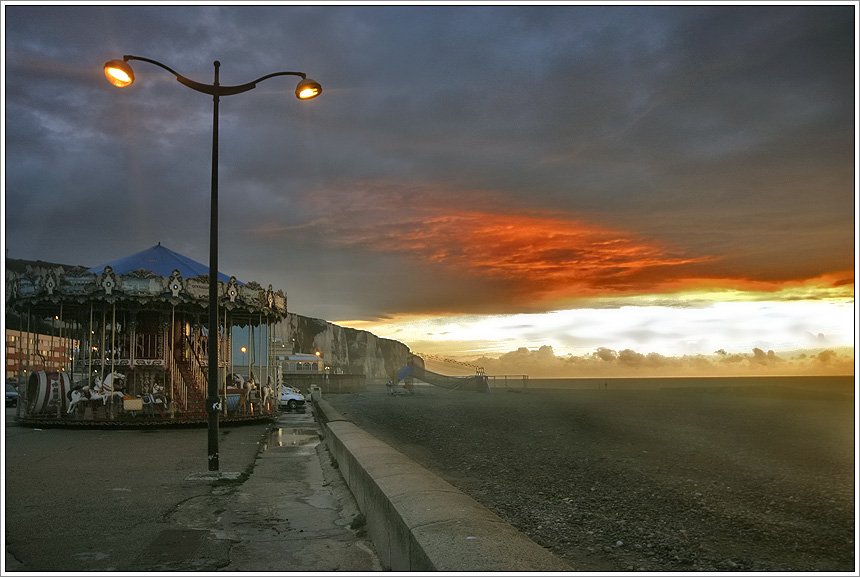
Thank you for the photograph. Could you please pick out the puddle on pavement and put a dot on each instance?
(284, 437)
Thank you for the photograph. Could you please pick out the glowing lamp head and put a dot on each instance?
(308, 89)
(119, 73)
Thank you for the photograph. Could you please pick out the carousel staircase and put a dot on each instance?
(196, 405)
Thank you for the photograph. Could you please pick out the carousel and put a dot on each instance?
(135, 341)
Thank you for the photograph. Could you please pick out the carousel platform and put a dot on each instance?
(140, 422)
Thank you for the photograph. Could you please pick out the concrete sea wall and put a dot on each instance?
(417, 520)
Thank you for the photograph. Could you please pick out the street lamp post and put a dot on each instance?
(119, 73)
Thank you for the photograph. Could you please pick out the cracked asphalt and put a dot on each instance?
(126, 500)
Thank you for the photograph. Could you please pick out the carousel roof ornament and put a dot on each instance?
(154, 275)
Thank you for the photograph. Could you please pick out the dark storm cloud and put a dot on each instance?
(722, 131)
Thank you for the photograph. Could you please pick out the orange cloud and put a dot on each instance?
(531, 257)
(546, 255)
(556, 253)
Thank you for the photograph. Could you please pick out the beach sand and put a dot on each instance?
(711, 478)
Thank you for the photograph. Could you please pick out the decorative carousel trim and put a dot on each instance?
(54, 286)
(174, 283)
(108, 280)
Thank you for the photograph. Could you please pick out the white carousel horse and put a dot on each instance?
(266, 392)
(154, 395)
(249, 386)
(237, 381)
(76, 396)
(155, 401)
(113, 381)
(97, 391)
(107, 390)
(157, 397)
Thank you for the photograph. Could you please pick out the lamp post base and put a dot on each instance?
(214, 476)
(213, 436)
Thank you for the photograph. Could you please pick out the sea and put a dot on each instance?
(824, 386)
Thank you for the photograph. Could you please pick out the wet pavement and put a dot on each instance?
(136, 501)
(288, 515)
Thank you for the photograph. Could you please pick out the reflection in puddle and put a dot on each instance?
(281, 437)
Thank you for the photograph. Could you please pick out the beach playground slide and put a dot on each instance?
(472, 382)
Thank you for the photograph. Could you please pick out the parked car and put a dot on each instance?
(291, 398)
(11, 395)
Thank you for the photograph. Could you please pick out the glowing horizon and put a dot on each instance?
(694, 324)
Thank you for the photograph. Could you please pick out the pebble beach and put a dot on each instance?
(694, 478)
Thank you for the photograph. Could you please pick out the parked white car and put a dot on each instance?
(291, 398)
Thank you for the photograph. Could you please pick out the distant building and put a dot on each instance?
(302, 364)
(28, 352)
(290, 362)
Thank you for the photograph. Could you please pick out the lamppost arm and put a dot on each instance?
(213, 89)
(120, 74)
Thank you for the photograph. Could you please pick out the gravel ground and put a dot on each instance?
(709, 479)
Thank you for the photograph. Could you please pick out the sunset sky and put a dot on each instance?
(474, 180)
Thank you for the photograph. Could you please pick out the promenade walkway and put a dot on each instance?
(139, 500)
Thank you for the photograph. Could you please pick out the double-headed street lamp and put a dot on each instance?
(120, 74)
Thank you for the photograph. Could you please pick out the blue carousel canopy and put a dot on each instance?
(160, 260)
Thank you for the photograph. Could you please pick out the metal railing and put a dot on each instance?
(178, 388)
(185, 355)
